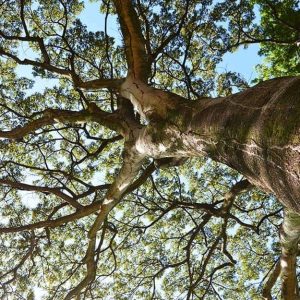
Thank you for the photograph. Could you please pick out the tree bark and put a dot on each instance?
(256, 132)
(289, 237)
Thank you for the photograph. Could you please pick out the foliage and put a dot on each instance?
(280, 22)
(165, 240)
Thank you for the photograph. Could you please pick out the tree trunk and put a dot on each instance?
(256, 132)
(289, 237)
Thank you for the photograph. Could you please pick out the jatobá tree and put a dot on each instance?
(111, 182)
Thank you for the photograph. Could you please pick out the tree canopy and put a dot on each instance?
(128, 168)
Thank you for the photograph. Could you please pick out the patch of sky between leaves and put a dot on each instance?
(95, 20)
(39, 292)
(40, 84)
(29, 199)
(242, 61)
(245, 59)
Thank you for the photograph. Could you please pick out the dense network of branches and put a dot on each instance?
(84, 215)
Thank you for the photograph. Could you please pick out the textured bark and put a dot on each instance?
(289, 237)
(256, 132)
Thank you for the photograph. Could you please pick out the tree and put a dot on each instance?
(280, 19)
(111, 182)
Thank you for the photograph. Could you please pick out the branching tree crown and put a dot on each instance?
(136, 173)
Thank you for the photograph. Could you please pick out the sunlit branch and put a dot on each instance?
(135, 45)
(130, 168)
(97, 84)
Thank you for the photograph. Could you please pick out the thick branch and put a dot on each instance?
(52, 116)
(289, 238)
(247, 131)
(135, 45)
(271, 281)
(131, 166)
(150, 103)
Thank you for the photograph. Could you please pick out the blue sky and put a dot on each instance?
(242, 61)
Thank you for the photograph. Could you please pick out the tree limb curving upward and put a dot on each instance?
(137, 170)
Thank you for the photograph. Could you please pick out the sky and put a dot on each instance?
(242, 61)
